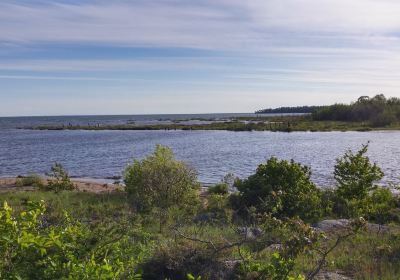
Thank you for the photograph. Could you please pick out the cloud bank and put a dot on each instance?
(341, 49)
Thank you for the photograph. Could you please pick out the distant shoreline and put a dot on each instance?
(274, 123)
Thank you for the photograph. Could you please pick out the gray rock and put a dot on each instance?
(329, 275)
(250, 233)
(344, 224)
(332, 225)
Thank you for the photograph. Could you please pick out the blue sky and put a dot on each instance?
(176, 56)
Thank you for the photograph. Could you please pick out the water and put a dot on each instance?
(102, 154)
(21, 122)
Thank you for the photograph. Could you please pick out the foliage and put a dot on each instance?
(355, 174)
(290, 110)
(379, 111)
(216, 210)
(160, 182)
(378, 206)
(220, 188)
(175, 260)
(295, 239)
(85, 206)
(33, 249)
(281, 187)
(33, 180)
(104, 238)
(59, 180)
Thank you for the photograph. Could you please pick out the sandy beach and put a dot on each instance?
(82, 184)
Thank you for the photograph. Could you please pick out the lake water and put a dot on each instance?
(102, 154)
(21, 122)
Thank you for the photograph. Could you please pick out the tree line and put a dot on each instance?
(377, 111)
(289, 110)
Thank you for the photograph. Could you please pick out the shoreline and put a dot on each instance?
(94, 185)
(82, 184)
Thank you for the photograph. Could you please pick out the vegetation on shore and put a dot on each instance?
(162, 227)
(377, 113)
(290, 110)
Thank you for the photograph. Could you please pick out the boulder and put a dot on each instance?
(344, 224)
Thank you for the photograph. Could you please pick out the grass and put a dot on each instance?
(33, 180)
(363, 256)
(80, 205)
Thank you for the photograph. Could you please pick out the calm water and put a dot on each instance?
(20, 122)
(101, 154)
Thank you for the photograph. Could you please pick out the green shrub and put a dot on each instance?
(221, 188)
(355, 174)
(216, 210)
(159, 182)
(356, 193)
(280, 187)
(175, 260)
(59, 180)
(30, 248)
(33, 180)
(378, 206)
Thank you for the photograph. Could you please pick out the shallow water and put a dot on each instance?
(101, 154)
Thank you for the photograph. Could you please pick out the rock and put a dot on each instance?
(274, 247)
(344, 224)
(332, 225)
(329, 275)
(250, 233)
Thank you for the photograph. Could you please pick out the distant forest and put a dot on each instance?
(378, 111)
(290, 110)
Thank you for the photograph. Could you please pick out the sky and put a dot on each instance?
(81, 57)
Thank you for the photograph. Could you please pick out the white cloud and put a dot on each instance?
(202, 24)
(282, 51)
(343, 16)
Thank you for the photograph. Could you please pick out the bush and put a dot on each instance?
(220, 188)
(355, 174)
(60, 180)
(33, 180)
(216, 210)
(30, 248)
(378, 206)
(159, 182)
(280, 187)
(175, 260)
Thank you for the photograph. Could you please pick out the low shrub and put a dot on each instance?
(33, 180)
(59, 180)
(356, 175)
(283, 188)
(175, 261)
(31, 248)
(159, 183)
(221, 188)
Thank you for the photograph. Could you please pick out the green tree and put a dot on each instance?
(160, 182)
(281, 187)
(355, 174)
